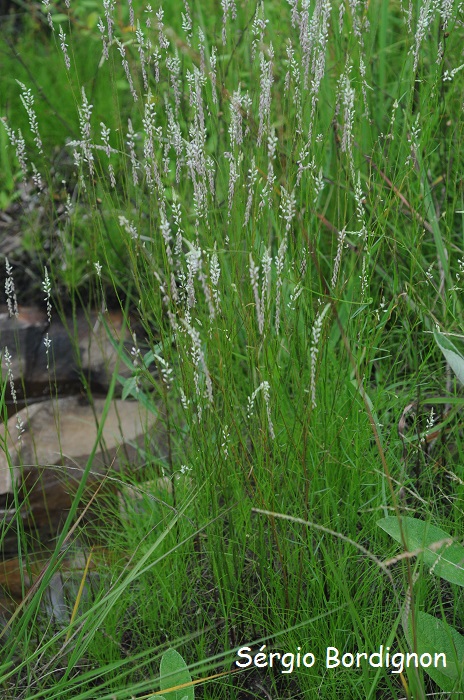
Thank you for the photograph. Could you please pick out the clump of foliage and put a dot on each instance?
(275, 192)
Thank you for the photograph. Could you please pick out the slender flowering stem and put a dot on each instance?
(316, 335)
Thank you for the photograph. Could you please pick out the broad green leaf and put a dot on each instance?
(92, 20)
(173, 673)
(59, 18)
(445, 559)
(433, 636)
(453, 357)
(148, 358)
(129, 387)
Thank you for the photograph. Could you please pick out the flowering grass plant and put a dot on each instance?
(274, 191)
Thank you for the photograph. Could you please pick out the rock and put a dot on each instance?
(19, 573)
(47, 459)
(63, 431)
(76, 348)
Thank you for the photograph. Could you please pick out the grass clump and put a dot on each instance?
(275, 194)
